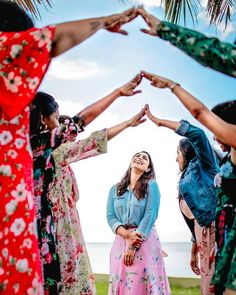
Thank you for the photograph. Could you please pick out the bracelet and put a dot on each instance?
(131, 247)
(173, 85)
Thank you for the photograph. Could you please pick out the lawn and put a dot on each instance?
(179, 286)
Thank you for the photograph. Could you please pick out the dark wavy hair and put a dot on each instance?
(13, 18)
(187, 151)
(226, 111)
(43, 105)
(141, 187)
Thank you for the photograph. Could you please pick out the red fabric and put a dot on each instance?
(23, 62)
(20, 267)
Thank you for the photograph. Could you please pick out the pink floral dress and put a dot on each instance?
(24, 58)
(77, 276)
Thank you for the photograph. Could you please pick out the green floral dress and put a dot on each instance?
(225, 268)
(76, 273)
(209, 52)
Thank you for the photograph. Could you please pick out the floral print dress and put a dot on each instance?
(24, 58)
(77, 276)
(43, 144)
(225, 269)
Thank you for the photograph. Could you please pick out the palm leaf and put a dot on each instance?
(175, 9)
(32, 5)
(220, 10)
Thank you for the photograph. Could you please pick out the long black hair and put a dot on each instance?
(226, 111)
(43, 105)
(187, 151)
(13, 18)
(141, 187)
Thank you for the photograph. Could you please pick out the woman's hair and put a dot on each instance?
(187, 151)
(226, 111)
(62, 119)
(141, 187)
(13, 18)
(43, 105)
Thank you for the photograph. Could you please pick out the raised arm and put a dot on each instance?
(70, 34)
(94, 110)
(224, 131)
(209, 52)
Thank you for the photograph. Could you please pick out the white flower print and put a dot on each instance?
(37, 288)
(1, 271)
(5, 137)
(19, 143)
(20, 193)
(33, 83)
(12, 153)
(5, 253)
(16, 50)
(18, 226)
(11, 207)
(226, 169)
(5, 170)
(30, 200)
(43, 37)
(12, 83)
(27, 243)
(218, 180)
(22, 265)
(16, 120)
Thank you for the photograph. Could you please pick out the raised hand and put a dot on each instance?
(114, 22)
(151, 117)
(157, 81)
(128, 88)
(137, 119)
(150, 20)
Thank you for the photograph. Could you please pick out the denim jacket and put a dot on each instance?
(128, 210)
(196, 185)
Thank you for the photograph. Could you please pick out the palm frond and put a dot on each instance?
(175, 9)
(220, 10)
(32, 5)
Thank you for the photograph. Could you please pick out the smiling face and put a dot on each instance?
(141, 162)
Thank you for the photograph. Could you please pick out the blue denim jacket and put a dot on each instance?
(128, 210)
(196, 185)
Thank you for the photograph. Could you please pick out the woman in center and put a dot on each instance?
(136, 262)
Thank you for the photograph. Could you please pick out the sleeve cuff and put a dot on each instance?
(183, 128)
(115, 226)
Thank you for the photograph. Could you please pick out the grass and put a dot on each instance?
(179, 286)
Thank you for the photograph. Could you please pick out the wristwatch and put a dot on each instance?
(173, 85)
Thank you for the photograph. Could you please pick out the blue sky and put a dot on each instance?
(107, 61)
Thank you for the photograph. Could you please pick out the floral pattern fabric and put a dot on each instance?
(225, 269)
(23, 63)
(43, 144)
(147, 275)
(209, 52)
(77, 276)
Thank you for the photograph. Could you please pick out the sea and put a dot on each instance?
(177, 262)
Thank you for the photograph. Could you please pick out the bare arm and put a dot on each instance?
(224, 131)
(132, 122)
(70, 34)
(94, 110)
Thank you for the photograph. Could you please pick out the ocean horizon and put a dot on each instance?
(177, 262)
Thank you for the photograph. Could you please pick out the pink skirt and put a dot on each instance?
(146, 276)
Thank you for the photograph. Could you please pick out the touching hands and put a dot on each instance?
(150, 20)
(129, 88)
(157, 81)
(138, 118)
(113, 23)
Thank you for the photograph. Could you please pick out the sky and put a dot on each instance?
(105, 62)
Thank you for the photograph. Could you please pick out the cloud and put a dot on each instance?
(76, 69)
(148, 3)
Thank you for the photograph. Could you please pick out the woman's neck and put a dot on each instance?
(135, 175)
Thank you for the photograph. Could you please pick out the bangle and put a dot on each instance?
(131, 247)
(173, 85)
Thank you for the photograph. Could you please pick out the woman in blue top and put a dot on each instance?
(136, 263)
(197, 195)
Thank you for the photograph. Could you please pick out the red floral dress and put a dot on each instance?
(24, 58)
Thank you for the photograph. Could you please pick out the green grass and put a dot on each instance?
(179, 286)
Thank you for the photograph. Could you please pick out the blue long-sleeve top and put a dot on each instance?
(127, 210)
